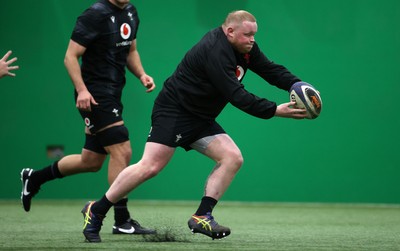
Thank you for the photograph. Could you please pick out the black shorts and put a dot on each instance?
(93, 144)
(109, 108)
(107, 137)
(175, 127)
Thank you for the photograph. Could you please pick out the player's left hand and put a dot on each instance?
(288, 110)
(148, 82)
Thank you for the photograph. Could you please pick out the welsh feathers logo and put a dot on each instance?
(125, 30)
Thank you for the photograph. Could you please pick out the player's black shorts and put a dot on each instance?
(93, 144)
(176, 127)
(108, 110)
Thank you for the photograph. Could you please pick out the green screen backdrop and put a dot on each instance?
(349, 50)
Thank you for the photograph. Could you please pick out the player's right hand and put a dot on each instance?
(85, 100)
(148, 82)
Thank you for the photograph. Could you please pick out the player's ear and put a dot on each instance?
(229, 31)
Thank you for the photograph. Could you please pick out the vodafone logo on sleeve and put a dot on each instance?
(239, 72)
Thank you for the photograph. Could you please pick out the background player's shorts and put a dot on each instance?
(92, 143)
(173, 127)
(108, 110)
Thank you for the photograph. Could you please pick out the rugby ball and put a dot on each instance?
(306, 96)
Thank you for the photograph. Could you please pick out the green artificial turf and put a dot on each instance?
(57, 225)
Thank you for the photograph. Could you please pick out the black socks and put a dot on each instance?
(101, 206)
(46, 174)
(121, 213)
(206, 206)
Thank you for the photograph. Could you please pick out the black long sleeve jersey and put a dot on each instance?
(210, 75)
(106, 32)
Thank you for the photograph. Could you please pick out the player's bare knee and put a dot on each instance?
(234, 160)
(151, 172)
(123, 154)
(90, 168)
(91, 162)
(237, 163)
(126, 154)
(149, 169)
(93, 168)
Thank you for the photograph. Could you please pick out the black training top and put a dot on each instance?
(210, 75)
(107, 33)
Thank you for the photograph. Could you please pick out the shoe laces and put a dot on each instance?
(133, 222)
(209, 216)
(212, 222)
(205, 221)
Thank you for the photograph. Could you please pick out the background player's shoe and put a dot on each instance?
(29, 189)
(91, 223)
(205, 224)
(131, 227)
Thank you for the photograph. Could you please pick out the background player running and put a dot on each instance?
(104, 38)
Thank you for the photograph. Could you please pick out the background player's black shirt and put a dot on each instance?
(210, 74)
(107, 33)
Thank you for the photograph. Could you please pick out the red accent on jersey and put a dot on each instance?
(247, 57)
(125, 30)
